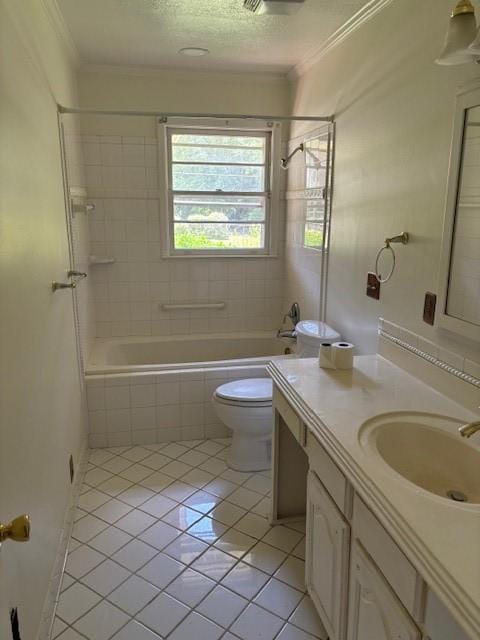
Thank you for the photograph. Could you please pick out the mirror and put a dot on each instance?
(461, 241)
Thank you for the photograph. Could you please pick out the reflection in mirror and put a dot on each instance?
(463, 297)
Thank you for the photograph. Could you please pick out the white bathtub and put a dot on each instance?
(143, 391)
(137, 355)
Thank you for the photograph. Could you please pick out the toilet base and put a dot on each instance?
(250, 453)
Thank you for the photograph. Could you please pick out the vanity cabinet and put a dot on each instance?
(374, 609)
(327, 554)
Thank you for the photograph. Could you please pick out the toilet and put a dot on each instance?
(245, 406)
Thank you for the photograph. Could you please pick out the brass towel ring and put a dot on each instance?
(402, 238)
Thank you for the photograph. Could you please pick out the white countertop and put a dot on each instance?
(442, 540)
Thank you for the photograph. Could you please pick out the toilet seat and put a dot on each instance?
(249, 392)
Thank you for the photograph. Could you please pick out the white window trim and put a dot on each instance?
(272, 212)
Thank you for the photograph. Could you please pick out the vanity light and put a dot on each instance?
(461, 35)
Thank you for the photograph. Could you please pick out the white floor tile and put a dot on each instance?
(135, 631)
(237, 477)
(178, 490)
(134, 555)
(158, 506)
(289, 632)
(198, 627)
(96, 476)
(279, 598)
(245, 580)
(222, 606)
(182, 517)
(214, 563)
(58, 627)
(185, 548)
(174, 450)
(259, 483)
(87, 528)
(136, 473)
(263, 508)
(193, 458)
(114, 486)
(82, 560)
(207, 529)
(116, 464)
(133, 595)
(306, 617)
(244, 498)
(135, 522)
(156, 461)
(102, 621)
(161, 570)
(227, 513)
(106, 577)
(160, 535)
(110, 540)
(264, 557)
(292, 572)
(70, 634)
(75, 602)
(253, 525)
(157, 481)
(99, 456)
(213, 465)
(176, 469)
(190, 587)
(299, 551)
(220, 487)
(202, 501)
(256, 624)
(67, 581)
(112, 510)
(136, 454)
(198, 478)
(283, 538)
(235, 543)
(300, 526)
(163, 614)
(135, 496)
(92, 499)
(210, 447)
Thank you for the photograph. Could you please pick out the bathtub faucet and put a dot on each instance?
(294, 315)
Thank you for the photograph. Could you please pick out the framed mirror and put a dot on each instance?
(459, 309)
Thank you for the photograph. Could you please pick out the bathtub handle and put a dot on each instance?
(193, 305)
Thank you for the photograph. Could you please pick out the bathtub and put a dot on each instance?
(149, 390)
(122, 355)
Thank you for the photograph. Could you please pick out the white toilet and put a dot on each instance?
(245, 406)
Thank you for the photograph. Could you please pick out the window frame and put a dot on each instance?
(271, 133)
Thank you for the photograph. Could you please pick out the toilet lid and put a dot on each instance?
(249, 390)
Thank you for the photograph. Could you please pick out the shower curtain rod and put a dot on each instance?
(222, 116)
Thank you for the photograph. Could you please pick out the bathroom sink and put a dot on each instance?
(427, 451)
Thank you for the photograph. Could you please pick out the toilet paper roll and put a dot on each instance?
(343, 355)
(326, 356)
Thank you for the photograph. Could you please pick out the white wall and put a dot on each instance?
(394, 110)
(42, 417)
(122, 176)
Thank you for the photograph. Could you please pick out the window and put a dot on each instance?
(219, 191)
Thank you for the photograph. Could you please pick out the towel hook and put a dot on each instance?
(402, 238)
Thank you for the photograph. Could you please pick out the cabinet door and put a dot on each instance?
(328, 540)
(374, 610)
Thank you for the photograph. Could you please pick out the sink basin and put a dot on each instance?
(427, 451)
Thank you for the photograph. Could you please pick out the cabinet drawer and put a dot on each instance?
(391, 561)
(288, 414)
(331, 477)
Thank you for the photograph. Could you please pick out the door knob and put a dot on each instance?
(17, 530)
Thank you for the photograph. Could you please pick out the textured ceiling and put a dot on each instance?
(150, 32)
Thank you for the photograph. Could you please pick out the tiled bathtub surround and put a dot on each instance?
(171, 544)
(122, 179)
(156, 407)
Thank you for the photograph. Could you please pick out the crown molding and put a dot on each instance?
(60, 27)
(369, 10)
(155, 72)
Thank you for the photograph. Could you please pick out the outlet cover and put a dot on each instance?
(429, 308)
(373, 286)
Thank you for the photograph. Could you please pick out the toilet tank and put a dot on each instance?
(311, 334)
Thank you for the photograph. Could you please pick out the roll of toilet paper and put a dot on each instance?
(326, 356)
(343, 355)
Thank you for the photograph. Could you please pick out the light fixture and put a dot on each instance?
(194, 52)
(461, 33)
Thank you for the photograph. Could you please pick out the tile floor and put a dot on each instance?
(169, 542)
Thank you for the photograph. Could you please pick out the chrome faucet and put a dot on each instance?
(469, 429)
(294, 315)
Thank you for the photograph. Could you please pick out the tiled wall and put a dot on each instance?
(122, 179)
(158, 407)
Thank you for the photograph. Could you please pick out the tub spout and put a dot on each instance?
(287, 334)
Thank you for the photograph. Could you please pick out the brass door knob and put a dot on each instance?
(17, 530)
